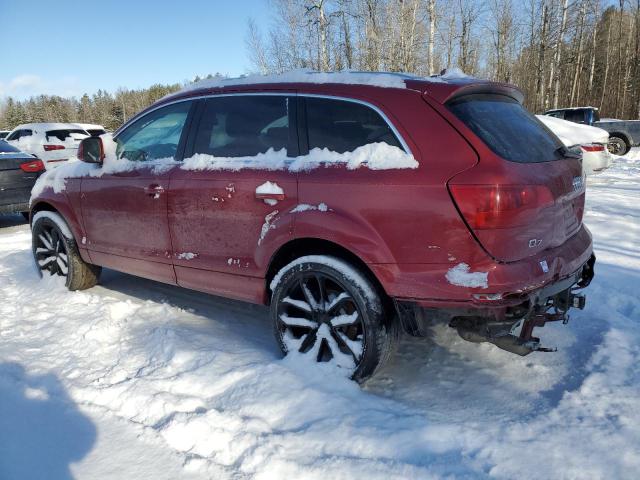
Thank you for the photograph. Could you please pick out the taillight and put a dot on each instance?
(593, 147)
(48, 148)
(500, 206)
(32, 166)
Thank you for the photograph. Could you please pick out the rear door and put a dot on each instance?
(223, 229)
(125, 209)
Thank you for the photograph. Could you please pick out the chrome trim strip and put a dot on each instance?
(389, 123)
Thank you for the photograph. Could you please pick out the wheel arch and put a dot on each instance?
(300, 247)
(624, 136)
(66, 215)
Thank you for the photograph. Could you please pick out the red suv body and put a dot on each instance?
(484, 231)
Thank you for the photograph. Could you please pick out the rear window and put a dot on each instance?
(342, 126)
(6, 148)
(507, 128)
(62, 135)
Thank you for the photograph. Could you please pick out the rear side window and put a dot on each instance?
(18, 134)
(507, 128)
(62, 135)
(576, 116)
(243, 125)
(342, 126)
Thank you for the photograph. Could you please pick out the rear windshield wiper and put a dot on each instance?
(568, 152)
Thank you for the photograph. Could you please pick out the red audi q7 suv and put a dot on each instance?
(354, 204)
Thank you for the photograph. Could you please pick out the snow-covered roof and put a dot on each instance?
(46, 126)
(571, 108)
(90, 126)
(571, 133)
(349, 77)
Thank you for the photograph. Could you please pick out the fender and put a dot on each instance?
(61, 203)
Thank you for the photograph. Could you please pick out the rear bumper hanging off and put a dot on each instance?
(512, 327)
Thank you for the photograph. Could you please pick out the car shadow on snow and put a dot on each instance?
(10, 220)
(41, 429)
(442, 375)
(242, 320)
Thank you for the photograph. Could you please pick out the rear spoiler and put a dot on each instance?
(457, 90)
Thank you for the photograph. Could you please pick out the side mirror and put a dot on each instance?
(91, 150)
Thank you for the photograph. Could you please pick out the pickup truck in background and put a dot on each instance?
(623, 134)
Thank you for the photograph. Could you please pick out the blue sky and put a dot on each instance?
(66, 47)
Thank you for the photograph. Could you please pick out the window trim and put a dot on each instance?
(300, 120)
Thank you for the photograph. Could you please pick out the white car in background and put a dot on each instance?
(92, 129)
(591, 140)
(53, 143)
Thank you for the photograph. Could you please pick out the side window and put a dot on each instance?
(154, 136)
(243, 125)
(556, 114)
(342, 126)
(576, 116)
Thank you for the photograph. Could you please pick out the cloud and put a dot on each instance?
(27, 85)
(21, 84)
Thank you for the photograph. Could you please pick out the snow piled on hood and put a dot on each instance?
(571, 133)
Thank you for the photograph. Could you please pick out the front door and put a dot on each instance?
(125, 208)
(229, 203)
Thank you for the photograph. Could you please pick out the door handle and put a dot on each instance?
(153, 190)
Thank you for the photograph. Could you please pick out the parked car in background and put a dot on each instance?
(591, 141)
(4, 133)
(354, 204)
(18, 174)
(52, 143)
(623, 134)
(92, 129)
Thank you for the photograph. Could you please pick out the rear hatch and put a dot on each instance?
(61, 144)
(527, 192)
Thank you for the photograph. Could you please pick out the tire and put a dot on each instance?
(617, 145)
(324, 307)
(57, 253)
(25, 215)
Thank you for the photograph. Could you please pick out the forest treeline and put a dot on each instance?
(559, 52)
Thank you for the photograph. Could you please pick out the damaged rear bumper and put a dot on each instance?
(509, 327)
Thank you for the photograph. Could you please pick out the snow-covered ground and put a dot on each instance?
(135, 379)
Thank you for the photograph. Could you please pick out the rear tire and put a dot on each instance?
(324, 307)
(56, 253)
(618, 145)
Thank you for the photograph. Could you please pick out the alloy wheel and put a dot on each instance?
(318, 316)
(51, 252)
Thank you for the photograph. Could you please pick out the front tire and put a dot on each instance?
(323, 307)
(618, 146)
(57, 253)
